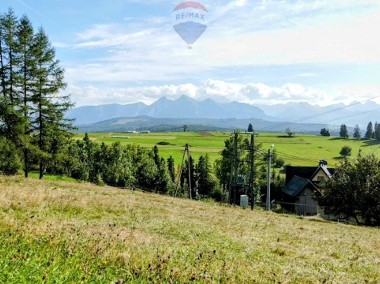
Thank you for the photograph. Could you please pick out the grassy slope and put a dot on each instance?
(302, 150)
(61, 232)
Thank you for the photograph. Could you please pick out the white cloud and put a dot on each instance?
(350, 92)
(217, 90)
(349, 42)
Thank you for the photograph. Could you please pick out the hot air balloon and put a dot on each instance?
(189, 21)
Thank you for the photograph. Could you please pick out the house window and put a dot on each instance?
(320, 178)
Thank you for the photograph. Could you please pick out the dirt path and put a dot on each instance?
(205, 134)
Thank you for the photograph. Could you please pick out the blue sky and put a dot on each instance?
(257, 52)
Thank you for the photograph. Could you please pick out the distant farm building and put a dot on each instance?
(301, 189)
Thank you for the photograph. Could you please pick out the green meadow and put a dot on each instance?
(303, 150)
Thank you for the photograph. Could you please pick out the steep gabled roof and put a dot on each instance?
(324, 169)
(296, 185)
(305, 172)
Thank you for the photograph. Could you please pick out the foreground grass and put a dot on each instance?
(60, 232)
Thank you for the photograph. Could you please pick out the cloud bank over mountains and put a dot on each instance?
(216, 90)
(215, 114)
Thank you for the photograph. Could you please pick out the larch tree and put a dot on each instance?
(11, 118)
(10, 101)
(25, 79)
(49, 124)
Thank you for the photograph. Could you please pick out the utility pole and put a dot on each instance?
(251, 171)
(186, 151)
(189, 169)
(234, 170)
(236, 165)
(269, 177)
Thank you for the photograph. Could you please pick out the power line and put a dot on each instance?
(327, 112)
(368, 111)
(296, 158)
(289, 157)
(337, 109)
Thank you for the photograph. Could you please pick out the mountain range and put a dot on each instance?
(228, 115)
(184, 107)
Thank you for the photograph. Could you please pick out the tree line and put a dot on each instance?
(372, 132)
(132, 166)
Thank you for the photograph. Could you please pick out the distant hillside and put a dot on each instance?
(93, 114)
(142, 123)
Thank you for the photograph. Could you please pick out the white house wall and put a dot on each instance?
(319, 176)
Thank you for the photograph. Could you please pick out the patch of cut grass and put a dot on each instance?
(52, 177)
(301, 150)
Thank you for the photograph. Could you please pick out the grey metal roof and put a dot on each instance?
(296, 185)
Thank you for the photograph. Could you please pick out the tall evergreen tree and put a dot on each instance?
(193, 176)
(171, 168)
(8, 32)
(162, 178)
(49, 123)
(25, 79)
(10, 101)
(377, 131)
(250, 128)
(357, 135)
(343, 133)
(205, 182)
(2, 58)
(369, 132)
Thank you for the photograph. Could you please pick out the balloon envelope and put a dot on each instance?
(189, 20)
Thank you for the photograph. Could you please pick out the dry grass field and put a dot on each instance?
(62, 232)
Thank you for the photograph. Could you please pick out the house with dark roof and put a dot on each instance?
(301, 187)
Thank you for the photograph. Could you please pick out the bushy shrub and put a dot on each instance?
(10, 162)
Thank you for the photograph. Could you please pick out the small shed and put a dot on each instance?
(304, 193)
